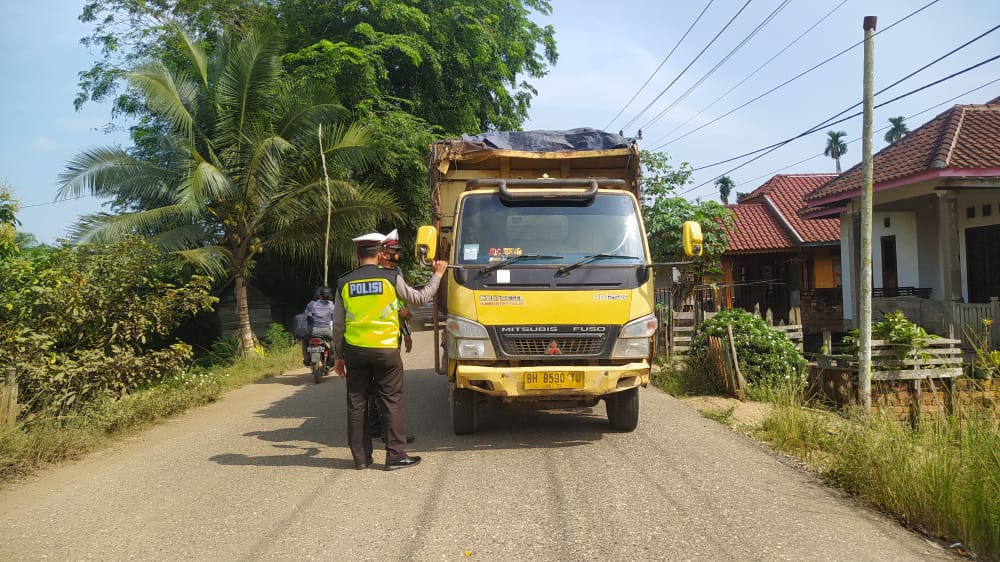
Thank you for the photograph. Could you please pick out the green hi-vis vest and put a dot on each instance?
(371, 306)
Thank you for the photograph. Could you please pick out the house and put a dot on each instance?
(778, 260)
(265, 309)
(936, 222)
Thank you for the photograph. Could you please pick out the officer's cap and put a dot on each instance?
(391, 239)
(370, 239)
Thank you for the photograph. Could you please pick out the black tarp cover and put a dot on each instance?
(584, 138)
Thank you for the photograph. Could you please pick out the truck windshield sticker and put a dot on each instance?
(470, 252)
(501, 300)
(505, 252)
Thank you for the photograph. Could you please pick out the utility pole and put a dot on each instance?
(865, 281)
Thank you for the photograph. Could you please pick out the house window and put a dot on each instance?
(970, 212)
(987, 210)
(838, 276)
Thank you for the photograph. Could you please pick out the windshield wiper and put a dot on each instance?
(567, 268)
(498, 264)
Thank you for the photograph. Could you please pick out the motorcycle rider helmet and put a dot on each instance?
(326, 293)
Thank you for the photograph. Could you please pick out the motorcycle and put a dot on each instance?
(319, 357)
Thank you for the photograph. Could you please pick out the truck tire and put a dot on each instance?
(464, 413)
(623, 409)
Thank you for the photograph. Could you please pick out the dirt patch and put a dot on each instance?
(730, 410)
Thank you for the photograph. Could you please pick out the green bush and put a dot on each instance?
(906, 338)
(88, 322)
(224, 351)
(766, 356)
(278, 338)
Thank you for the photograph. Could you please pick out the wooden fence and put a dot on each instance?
(969, 322)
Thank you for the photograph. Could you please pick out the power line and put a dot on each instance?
(797, 76)
(674, 81)
(664, 61)
(831, 120)
(828, 123)
(748, 76)
(852, 141)
(55, 202)
(750, 36)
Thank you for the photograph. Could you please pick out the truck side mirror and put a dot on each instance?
(692, 239)
(426, 247)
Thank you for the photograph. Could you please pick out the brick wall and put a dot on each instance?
(901, 402)
(822, 310)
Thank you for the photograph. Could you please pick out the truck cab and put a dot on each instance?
(549, 297)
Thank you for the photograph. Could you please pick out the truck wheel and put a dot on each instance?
(318, 368)
(623, 409)
(464, 414)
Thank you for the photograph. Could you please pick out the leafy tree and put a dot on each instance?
(835, 146)
(238, 171)
(406, 70)
(460, 63)
(897, 130)
(665, 213)
(725, 185)
(8, 222)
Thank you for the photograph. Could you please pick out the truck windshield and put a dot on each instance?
(556, 232)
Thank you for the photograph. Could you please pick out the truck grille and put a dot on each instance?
(566, 346)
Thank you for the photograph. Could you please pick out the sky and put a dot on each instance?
(607, 51)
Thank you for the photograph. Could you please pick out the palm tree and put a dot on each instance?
(897, 131)
(835, 146)
(239, 170)
(725, 185)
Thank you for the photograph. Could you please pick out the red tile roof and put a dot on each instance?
(785, 193)
(965, 138)
(756, 229)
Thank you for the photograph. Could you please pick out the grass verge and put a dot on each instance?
(44, 441)
(942, 478)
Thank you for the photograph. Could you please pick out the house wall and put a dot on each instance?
(929, 268)
(824, 270)
(976, 200)
(904, 227)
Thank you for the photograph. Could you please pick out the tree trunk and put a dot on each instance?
(245, 331)
(837, 160)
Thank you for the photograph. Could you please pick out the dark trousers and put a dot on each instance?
(379, 371)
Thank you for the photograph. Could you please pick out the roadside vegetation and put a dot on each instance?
(50, 437)
(942, 478)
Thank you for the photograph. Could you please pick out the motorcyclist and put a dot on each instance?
(320, 313)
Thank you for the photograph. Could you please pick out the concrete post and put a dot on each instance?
(948, 246)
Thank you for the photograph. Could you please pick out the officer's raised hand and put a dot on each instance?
(440, 266)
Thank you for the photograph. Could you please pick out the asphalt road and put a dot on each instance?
(264, 474)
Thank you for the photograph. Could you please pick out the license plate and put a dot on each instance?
(541, 380)
(315, 349)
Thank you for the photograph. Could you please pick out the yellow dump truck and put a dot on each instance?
(549, 297)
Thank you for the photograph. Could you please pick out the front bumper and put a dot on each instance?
(508, 382)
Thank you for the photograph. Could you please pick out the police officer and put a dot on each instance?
(366, 348)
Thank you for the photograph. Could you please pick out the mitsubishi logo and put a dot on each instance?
(553, 349)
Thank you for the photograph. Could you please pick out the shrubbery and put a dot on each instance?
(766, 356)
(87, 322)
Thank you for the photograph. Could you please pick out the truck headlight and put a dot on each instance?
(468, 339)
(633, 341)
